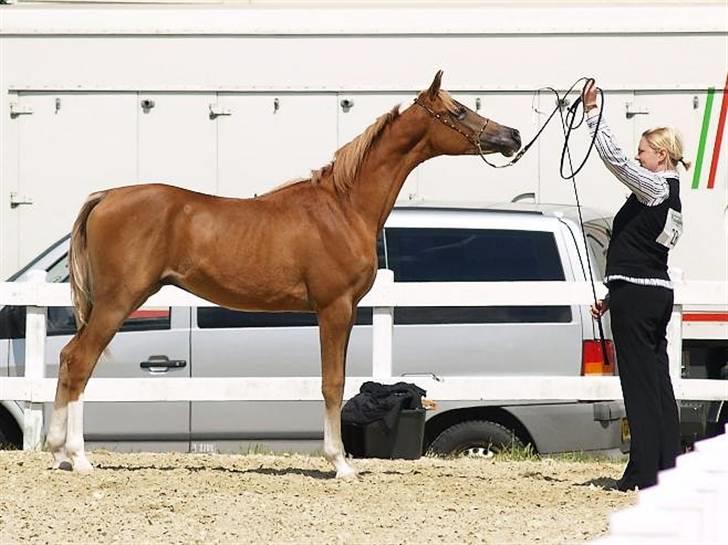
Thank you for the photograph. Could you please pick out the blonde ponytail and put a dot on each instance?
(685, 164)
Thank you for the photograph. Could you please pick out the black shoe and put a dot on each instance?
(626, 486)
(629, 478)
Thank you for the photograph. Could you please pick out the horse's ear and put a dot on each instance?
(435, 87)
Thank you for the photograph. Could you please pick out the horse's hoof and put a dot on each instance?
(63, 465)
(61, 461)
(347, 473)
(82, 466)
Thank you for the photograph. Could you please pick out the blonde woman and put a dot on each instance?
(640, 297)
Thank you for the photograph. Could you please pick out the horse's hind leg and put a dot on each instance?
(56, 439)
(335, 323)
(78, 359)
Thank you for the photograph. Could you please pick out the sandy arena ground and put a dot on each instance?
(257, 499)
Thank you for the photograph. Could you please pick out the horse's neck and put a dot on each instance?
(390, 160)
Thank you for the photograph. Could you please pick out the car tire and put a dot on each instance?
(477, 438)
(9, 437)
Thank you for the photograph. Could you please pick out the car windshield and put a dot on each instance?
(58, 272)
(33, 263)
(598, 238)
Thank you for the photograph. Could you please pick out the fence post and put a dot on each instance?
(382, 324)
(35, 338)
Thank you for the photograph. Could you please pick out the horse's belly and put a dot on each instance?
(245, 294)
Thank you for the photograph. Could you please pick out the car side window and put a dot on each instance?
(381, 252)
(475, 255)
(217, 317)
(61, 321)
(472, 255)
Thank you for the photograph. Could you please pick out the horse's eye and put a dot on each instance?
(462, 113)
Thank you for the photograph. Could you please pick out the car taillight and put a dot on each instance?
(592, 361)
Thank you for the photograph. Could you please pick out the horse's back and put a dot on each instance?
(157, 194)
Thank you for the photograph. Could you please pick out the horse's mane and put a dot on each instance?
(348, 159)
(284, 185)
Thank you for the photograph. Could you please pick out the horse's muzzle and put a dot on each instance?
(500, 139)
(516, 138)
(509, 141)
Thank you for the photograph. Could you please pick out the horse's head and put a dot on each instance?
(458, 130)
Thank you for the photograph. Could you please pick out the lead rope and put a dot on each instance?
(567, 128)
(565, 153)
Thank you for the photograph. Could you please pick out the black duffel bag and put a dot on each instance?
(384, 421)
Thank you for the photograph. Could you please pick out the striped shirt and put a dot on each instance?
(650, 188)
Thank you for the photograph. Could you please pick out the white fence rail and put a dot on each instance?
(687, 505)
(35, 389)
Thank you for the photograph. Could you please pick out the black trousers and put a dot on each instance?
(639, 323)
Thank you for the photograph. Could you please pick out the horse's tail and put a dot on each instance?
(81, 284)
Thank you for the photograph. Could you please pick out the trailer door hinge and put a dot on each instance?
(17, 109)
(631, 110)
(16, 200)
(216, 110)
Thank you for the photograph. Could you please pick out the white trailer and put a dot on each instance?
(236, 100)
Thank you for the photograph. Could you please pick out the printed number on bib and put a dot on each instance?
(672, 230)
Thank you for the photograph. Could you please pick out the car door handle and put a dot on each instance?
(432, 375)
(162, 363)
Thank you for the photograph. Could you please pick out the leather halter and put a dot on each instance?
(475, 140)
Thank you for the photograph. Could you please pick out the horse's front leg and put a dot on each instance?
(335, 323)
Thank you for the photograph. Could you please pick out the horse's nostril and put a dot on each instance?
(516, 136)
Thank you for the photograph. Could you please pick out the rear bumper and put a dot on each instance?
(578, 426)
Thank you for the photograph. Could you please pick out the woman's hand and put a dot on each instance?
(589, 95)
(600, 308)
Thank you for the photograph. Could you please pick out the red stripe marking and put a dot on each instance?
(137, 314)
(718, 136)
(705, 317)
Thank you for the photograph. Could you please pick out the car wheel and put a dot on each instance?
(475, 438)
(9, 438)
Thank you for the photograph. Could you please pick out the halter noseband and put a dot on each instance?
(474, 140)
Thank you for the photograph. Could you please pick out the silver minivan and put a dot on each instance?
(514, 242)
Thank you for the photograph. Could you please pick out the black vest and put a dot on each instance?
(642, 236)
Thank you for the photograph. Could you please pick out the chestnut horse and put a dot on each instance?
(309, 245)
